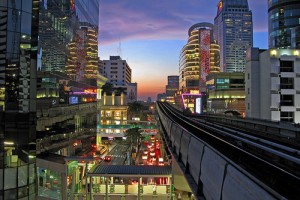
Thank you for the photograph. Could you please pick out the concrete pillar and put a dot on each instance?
(122, 99)
(139, 189)
(86, 185)
(91, 187)
(104, 98)
(64, 186)
(113, 99)
(106, 188)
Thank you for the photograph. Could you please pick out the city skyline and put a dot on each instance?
(150, 35)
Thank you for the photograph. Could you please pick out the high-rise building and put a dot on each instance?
(173, 85)
(117, 71)
(68, 32)
(272, 84)
(284, 25)
(54, 34)
(233, 30)
(18, 64)
(195, 58)
(172, 88)
(131, 92)
(214, 58)
(82, 59)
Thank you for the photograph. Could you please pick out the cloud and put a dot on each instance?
(162, 19)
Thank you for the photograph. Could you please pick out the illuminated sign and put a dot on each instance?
(220, 6)
(204, 54)
(73, 100)
(91, 91)
(198, 106)
(72, 5)
(194, 91)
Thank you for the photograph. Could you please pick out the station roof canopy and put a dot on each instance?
(130, 171)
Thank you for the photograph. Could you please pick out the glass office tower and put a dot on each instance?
(18, 63)
(284, 23)
(233, 31)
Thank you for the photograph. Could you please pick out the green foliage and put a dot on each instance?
(133, 135)
(108, 88)
(136, 109)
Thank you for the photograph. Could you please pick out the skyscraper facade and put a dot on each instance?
(18, 64)
(82, 59)
(117, 71)
(233, 30)
(173, 85)
(214, 57)
(68, 32)
(284, 24)
(55, 32)
(195, 58)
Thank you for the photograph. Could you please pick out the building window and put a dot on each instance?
(287, 116)
(114, 63)
(236, 81)
(287, 100)
(286, 83)
(248, 76)
(222, 80)
(286, 66)
(248, 90)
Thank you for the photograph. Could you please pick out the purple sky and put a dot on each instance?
(150, 35)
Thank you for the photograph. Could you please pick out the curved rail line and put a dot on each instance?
(275, 165)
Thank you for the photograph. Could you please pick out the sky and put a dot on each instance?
(149, 34)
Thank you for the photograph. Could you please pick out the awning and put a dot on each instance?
(130, 171)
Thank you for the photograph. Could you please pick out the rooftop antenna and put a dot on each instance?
(120, 48)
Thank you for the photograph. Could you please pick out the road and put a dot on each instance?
(118, 154)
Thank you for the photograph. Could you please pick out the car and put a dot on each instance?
(107, 158)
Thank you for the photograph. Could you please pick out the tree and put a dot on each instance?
(107, 88)
(135, 109)
(133, 136)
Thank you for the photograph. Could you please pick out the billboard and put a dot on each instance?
(198, 105)
(204, 54)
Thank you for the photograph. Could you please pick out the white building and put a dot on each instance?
(272, 84)
(117, 71)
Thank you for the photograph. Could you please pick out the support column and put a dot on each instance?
(91, 187)
(106, 188)
(64, 186)
(139, 189)
(86, 186)
(170, 185)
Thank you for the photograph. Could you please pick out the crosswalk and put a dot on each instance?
(118, 156)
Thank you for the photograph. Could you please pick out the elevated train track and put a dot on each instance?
(273, 166)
